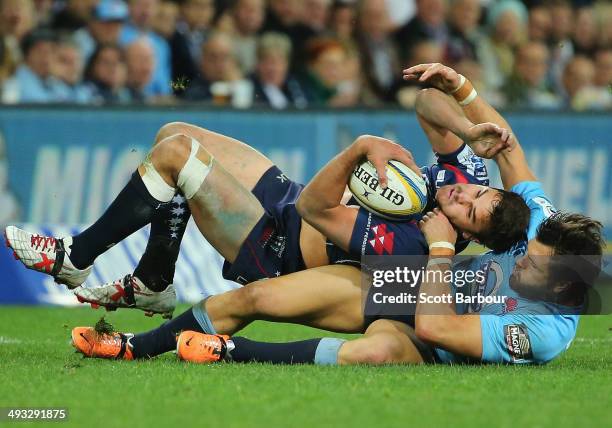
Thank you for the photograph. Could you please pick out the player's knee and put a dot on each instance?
(171, 153)
(170, 129)
(257, 299)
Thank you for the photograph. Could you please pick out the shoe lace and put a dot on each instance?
(45, 241)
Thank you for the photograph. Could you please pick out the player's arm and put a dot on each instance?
(438, 323)
(512, 163)
(320, 201)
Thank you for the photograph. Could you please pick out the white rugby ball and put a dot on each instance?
(405, 195)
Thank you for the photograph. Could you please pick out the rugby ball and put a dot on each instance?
(405, 195)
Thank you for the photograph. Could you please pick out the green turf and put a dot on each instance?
(39, 368)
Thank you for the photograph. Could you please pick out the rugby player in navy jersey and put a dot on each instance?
(534, 324)
(250, 212)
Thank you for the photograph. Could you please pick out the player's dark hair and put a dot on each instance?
(508, 223)
(577, 245)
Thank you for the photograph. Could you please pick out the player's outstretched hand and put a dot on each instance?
(437, 228)
(379, 151)
(437, 75)
(487, 140)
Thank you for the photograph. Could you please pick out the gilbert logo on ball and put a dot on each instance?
(405, 195)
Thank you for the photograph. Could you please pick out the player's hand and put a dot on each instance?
(379, 151)
(437, 75)
(436, 227)
(487, 140)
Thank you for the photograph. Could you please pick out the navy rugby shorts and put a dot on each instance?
(272, 248)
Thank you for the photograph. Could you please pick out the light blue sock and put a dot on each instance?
(202, 318)
(327, 351)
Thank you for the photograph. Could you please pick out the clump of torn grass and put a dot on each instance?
(104, 327)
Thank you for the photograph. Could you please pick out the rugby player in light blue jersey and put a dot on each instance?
(535, 323)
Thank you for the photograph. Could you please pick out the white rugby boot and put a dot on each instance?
(129, 292)
(46, 254)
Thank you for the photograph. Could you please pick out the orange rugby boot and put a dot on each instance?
(92, 344)
(202, 348)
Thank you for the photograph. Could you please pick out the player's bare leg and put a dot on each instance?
(243, 162)
(224, 211)
(327, 297)
(384, 342)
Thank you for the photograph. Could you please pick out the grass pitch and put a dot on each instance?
(40, 369)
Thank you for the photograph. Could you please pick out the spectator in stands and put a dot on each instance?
(585, 32)
(166, 19)
(343, 19)
(579, 85)
(464, 36)
(105, 27)
(527, 86)
(561, 45)
(8, 63)
(603, 68)
(315, 15)
(33, 81)
(301, 20)
(273, 86)
(106, 75)
(379, 53)
(539, 24)
(326, 59)
(75, 15)
(68, 68)
(428, 23)
(192, 31)
(248, 18)
(506, 22)
(220, 77)
(140, 24)
(16, 20)
(43, 13)
(140, 62)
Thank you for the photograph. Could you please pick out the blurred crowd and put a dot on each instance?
(547, 54)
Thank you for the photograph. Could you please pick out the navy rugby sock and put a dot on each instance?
(163, 338)
(156, 266)
(314, 351)
(132, 209)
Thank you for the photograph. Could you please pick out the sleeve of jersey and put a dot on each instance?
(520, 339)
(373, 235)
(539, 204)
(467, 166)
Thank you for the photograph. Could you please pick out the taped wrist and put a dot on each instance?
(465, 92)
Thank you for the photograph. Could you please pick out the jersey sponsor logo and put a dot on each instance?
(518, 343)
(383, 240)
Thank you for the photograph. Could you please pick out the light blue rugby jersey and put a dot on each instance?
(518, 331)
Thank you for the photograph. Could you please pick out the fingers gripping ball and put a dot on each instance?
(405, 195)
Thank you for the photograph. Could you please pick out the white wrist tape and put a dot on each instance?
(442, 244)
(155, 184)
(194, 172)
(439, 261)
(469, 98)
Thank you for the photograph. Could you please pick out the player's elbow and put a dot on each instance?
(307, 207)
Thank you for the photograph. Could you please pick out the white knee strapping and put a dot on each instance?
(194, 172)
(155, 184)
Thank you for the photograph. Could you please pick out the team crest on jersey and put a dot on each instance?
(480, 287)
(382, 241)
(510, 304)
(518, 343)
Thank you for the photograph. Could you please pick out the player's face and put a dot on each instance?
(467, 206)
(530, 276)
